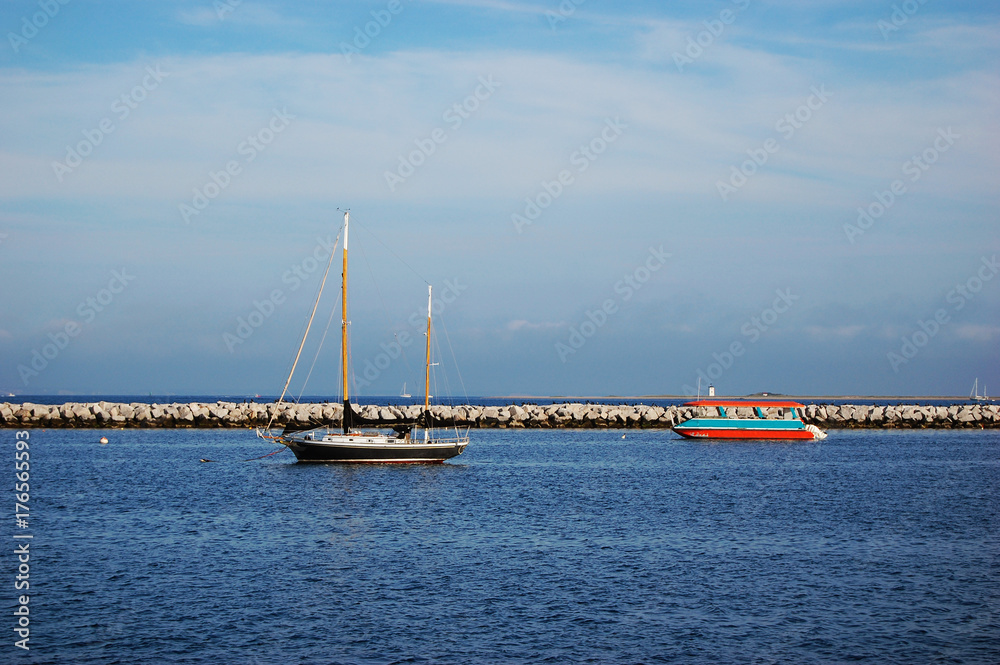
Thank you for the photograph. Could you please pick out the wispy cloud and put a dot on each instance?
(238, 13)
(522, 324)
(978, 333)
(497, 5)
(845, 332)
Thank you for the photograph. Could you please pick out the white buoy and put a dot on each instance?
(104, 440)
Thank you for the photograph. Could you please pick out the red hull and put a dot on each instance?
(713, 433)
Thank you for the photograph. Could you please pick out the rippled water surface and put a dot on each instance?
(533, 546)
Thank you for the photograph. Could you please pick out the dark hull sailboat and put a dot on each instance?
(351, 445)
(362, 448)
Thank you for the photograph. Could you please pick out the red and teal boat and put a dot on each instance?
(730, 419)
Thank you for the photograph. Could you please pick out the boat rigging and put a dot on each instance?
(351, 444)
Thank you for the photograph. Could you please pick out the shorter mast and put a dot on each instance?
(427, 369)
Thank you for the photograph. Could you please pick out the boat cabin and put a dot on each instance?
(746, 409)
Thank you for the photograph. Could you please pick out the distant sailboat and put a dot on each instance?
(403, 392)
(974, 395)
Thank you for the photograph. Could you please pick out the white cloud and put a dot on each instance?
(239, 13)
(497, 5)
(201, 16)
(522, 324)
(843, 332)
(977, 333)
(354, 120)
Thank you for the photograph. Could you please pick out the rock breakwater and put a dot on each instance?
(567, 415)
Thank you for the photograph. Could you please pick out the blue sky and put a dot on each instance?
(615, 198)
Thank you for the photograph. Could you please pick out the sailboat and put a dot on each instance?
(350, 444)
(974, 395)
(403, 393)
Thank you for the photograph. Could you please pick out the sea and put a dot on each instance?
(386, 400)
(534, 546)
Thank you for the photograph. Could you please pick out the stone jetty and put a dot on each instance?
(567, 415)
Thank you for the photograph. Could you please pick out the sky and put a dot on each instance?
(631, 198)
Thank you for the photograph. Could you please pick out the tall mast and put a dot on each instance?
(347, 417)
(427, 367)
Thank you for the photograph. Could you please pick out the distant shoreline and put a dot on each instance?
(756, 396)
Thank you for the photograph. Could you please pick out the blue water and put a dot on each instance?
(532, 547)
